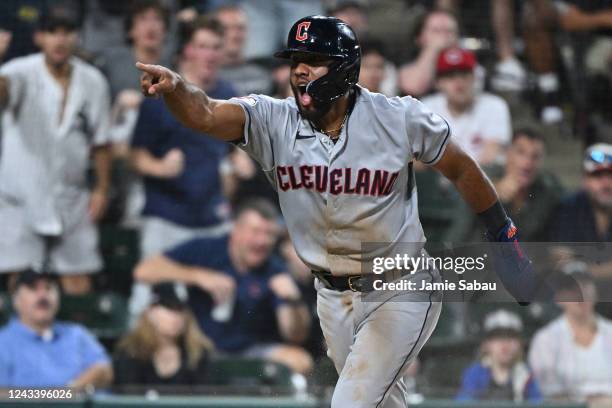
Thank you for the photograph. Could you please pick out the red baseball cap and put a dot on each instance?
(455, 59)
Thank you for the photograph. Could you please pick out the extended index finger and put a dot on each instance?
(149, 68)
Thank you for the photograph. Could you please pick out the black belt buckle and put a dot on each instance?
(350, 280)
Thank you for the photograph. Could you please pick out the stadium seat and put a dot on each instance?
(232, 371)
(120, 251)
(105, 314)
(441, 375)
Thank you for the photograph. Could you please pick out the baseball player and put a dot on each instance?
(341, 160)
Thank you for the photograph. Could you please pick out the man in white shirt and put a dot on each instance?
(571, 357)
(54, 116)
(480, 120)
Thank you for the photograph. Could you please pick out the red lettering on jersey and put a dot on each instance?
(363, 181)
(379, 182)
(301, 33)
(321, 178)
(334, 181)
(305, 173)
(294, 183)
(390, 184)
(347, 182)
(280, 172)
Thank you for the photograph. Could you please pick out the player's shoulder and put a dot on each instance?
(266, 102)
(383, 103)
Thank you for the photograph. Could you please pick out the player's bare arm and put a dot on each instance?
(475, 187)
(191, 106)
(515, 270)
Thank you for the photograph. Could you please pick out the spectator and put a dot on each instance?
(586, 216)
(183, 186)
(165, 348)
(246, 77)
(572, 356)
(56, 110)
(438, 30)
(480, 121)
(38, 351)
(236, 288)
(529, 193)
(373, 63)
(19, 20)
(104, 24)
(145, 28)
(352, 13)
(269, 23)
(500, 372)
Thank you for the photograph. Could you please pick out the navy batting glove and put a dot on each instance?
(514, 268)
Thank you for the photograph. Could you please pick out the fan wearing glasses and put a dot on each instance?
(586, 216)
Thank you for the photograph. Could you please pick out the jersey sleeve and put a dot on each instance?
(263, 116)
(428, 133)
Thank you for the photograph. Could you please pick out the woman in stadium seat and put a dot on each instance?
(166, 347)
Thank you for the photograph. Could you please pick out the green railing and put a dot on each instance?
(244, 402)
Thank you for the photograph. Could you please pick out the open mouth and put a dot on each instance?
(305, 99)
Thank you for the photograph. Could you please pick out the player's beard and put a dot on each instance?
(320, 109)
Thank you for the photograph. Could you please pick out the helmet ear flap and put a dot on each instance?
(341, 77)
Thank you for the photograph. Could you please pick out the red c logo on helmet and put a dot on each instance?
(301, 33)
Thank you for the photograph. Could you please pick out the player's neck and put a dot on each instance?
(331, 123)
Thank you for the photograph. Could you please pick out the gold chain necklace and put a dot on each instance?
(327, 132)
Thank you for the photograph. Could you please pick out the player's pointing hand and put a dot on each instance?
(157, 80)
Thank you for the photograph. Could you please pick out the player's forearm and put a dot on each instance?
(102, 168)
(469, 179)
(99, 375)
(191, 106)
(294, 322)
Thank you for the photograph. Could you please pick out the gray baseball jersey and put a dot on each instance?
(334, 197)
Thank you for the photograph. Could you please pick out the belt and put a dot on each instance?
(356, 283)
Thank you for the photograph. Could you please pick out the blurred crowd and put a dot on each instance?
(103, 191)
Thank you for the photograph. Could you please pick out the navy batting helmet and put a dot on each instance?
(331, 37)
